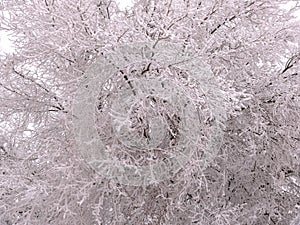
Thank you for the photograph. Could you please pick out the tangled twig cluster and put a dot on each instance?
(150, 116)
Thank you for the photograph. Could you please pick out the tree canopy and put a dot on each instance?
(250, 52)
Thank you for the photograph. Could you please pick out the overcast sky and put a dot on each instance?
(125, 3)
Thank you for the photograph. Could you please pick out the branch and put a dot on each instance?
(176, 21)
(119, 38)
(222, 24)
(230, 19)
(86, 28)
(290, 63)
(61, 107)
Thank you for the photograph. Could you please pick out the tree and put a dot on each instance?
(252, 50)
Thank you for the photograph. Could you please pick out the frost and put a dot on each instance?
(213, 83)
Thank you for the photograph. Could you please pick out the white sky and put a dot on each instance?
(123, 4)
(5, 43)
